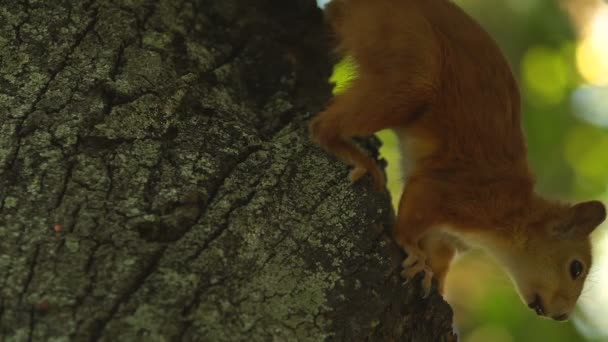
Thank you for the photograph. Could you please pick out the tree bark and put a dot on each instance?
(157, 182)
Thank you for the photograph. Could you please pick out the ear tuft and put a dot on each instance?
(587, 216)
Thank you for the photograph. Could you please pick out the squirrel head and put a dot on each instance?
(551, 260)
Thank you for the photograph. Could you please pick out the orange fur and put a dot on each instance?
(434, 76)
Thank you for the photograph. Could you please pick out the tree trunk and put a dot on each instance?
(157, 182)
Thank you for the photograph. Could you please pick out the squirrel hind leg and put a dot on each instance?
(440, 253)
(414, 232)
(416, 262)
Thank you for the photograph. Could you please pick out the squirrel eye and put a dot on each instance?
(576, 269)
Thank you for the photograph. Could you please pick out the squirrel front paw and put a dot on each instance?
(378, 178)
(414, 264)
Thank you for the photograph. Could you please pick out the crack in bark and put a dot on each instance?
(30, 274)
(64, 185)
(64, 63)
(115, 70)
(78, 40)
(11, 265)
(284, 121)
(92, 279)
(188, 308)
(32, 324)
(152, 181)
(274, 249)
(110, 173)
(100, 325)
(113, 100)
(1, 314)
(231, 57)
(248, 153)
(73, 92)
(222, 227)
(193, 304)
(222, 178)
(26, 9)
(88, 288)
(150, 10)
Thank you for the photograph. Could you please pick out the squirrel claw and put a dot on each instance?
(356, 174)
(378, 178)
(414, 264)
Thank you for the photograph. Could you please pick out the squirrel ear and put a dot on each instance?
(586, 216)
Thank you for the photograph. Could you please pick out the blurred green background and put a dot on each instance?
(559, 54)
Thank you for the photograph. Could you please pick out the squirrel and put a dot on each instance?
(429, 72)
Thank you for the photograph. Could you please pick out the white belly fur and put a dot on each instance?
(445, 233)
(407, 161)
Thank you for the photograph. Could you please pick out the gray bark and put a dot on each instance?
(157, 182)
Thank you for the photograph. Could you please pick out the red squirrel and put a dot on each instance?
(428, 71)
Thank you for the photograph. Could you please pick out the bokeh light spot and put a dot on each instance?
(585, 151)
(545, 73)
(592, 51)
(591, 104)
